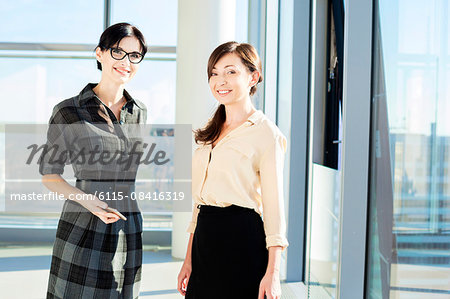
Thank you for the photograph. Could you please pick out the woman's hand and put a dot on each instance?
(55, 183)
(270, 283)
(270, 286)
(97, 207)
(183, 277)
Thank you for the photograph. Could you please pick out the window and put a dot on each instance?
(409, 232)
(50, 57)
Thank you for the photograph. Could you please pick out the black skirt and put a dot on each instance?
(229, 255)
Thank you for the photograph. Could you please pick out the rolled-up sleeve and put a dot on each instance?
(193, 223)
(271, 173)
(54, 153)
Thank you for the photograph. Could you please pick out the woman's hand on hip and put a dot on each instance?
(183, 277)
(270, 286)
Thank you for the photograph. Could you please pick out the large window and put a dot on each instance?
(409, 224)
(47, 55)
(51, 21)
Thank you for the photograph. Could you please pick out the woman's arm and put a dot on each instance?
(271, 172)
(186, 269)
(272, 195)
(270, 284)
(273, 266)
(55, 183)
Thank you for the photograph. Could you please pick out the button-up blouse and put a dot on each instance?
(245, 168)
(83, 125)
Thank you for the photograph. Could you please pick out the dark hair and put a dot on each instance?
(250, 58)
(115, 33)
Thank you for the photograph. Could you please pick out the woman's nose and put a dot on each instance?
(222, 80)
(125, 61)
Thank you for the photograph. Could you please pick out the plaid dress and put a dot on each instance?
(92, 259)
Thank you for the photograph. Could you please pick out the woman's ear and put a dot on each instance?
(255, 78)
(99, 54)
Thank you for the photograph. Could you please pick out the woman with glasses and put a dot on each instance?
(237, 177)
(98, 248)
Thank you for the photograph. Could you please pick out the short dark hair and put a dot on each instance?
(115, 33)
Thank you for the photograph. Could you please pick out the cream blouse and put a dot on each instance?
(245, 168)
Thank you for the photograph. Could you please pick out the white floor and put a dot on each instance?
(24, 274)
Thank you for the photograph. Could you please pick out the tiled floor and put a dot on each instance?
(24, 274)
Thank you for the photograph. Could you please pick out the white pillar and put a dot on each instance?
(202, 26)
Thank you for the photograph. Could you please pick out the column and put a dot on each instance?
(202, 26)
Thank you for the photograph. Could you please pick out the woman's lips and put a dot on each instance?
(224, 92)
(123, 72)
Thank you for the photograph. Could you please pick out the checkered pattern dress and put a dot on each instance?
(92, 259)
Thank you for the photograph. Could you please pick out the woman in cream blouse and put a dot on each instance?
(238, 223)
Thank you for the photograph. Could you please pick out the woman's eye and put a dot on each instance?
(231, 72)
(213, 74)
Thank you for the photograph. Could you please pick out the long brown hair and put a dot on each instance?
(250, 58)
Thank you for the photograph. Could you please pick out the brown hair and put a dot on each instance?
(250, 58)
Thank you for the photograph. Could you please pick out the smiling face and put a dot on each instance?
(119, 71)
(230, 80)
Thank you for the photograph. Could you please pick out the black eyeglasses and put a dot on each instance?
(119, 54)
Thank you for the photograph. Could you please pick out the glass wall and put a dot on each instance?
(409, 213)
